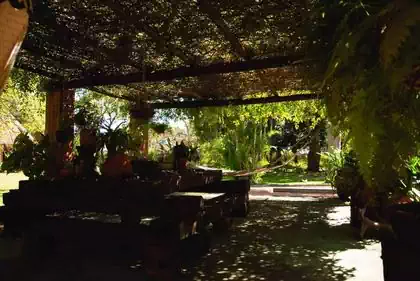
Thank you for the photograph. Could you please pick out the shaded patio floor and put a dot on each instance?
(293, 240)
(280, 240)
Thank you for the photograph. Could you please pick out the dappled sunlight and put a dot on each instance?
(338, 215)
(278, 241)
(284, 241)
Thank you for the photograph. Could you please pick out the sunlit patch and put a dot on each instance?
(364, 262)
(338, 215)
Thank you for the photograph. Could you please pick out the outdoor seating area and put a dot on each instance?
(140, 130)
(131, 217)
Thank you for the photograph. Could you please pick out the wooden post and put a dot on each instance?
(52, 116)
(60, 110)
(139, 131)
(59, 116)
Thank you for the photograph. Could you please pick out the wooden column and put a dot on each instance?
(60, 112)
(139, 131)
(59, 116)
(52, 118)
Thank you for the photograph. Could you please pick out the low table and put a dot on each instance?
(217, 207)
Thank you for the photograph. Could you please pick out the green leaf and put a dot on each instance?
(397, 30)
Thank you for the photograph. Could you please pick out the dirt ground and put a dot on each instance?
(280, 240)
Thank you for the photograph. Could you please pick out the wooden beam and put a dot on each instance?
(215, 103)
(39, 72)
(182, 72)
(106, 93)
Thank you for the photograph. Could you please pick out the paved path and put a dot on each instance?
(279, 241)
(291, 241)
(314, 191)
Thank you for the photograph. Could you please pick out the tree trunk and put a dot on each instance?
(314, 156)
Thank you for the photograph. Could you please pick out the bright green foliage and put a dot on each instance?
(103, 112)
(27, 156)
(237, 137)
(414, 165)
(23, 100)
(348, 180)
(370, 86)
(333, 161)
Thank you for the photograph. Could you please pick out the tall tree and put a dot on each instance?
(105, 112)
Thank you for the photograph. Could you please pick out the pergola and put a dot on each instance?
(167, 53)
(177, 53)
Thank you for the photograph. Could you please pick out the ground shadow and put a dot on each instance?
(278, 241)
(282, 241)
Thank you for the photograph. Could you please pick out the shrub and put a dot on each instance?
(333, 162)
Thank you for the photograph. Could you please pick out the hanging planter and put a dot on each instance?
(142, 110)
(160, 128)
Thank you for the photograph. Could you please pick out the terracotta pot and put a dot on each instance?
(117, 165)
(87, 137)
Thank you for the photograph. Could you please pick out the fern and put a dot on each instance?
(404, 15)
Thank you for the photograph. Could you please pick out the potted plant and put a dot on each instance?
(28, 156)
(88, 127)
(349, 185)
(159, 128)
(180, 156)
(400, 251)
(142, 110)
(85, 162)
(117, 163)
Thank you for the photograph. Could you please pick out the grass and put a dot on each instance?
(290, 177)
(293, 177)
(291, 174)
(8, 182)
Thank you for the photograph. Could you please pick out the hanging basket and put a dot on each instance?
(142, 110)
(160, 128)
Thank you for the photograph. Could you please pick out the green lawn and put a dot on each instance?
(9, 181)
(290, 177)
(293, 177)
